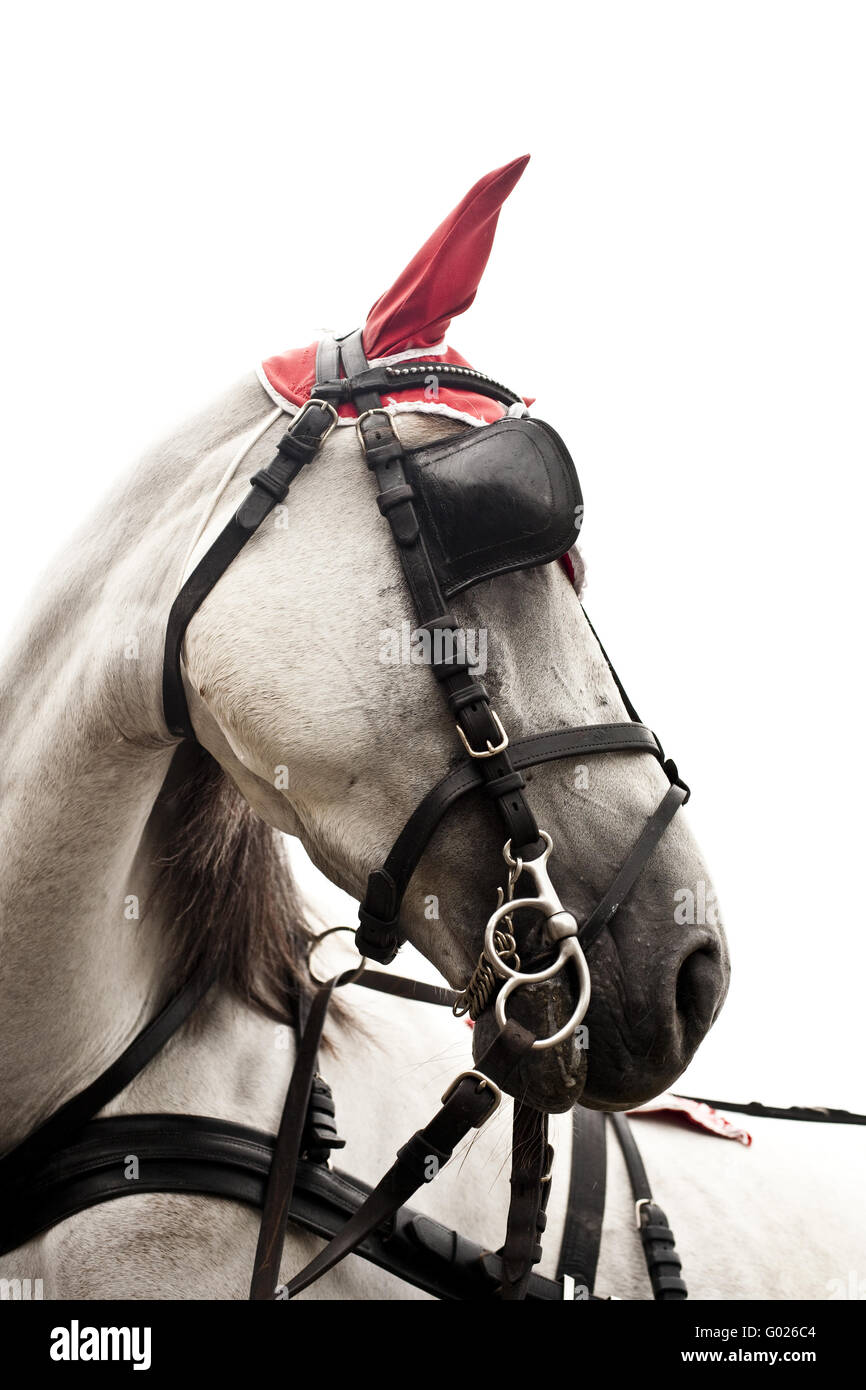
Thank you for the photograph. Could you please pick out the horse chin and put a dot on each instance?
(552, 1078)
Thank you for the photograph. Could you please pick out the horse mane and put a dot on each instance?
(225, 889)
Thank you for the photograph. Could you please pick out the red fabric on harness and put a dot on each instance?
(415, 313)
(411, 318)
(292, 375)
(696, 1112)
(442, 279)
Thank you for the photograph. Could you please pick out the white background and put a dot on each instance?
(679, 278)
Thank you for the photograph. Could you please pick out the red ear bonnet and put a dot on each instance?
(412, 317)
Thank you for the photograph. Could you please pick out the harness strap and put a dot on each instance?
(287, 1149)
(631, 869)
(662, 1261)
(466, 1105)
(467, 696)
(820, 1114)
(269, 486)
(195, 1154)
(60, 1127)
(581, 1238)
(387, 885)
(531, 1163)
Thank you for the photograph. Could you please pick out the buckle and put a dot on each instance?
(322, 405)
(365, 415)
(484, 1084)
(491, 751)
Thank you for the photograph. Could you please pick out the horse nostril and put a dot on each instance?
(699, 987)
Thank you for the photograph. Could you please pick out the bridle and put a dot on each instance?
(68, 1152)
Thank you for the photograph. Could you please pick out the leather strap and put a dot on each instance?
(581, 1237)
(815, 1113)
(281, 1178)
(364, 381)
(386, 886)
(631, 869)
(531, 1163)
(290, 1136)
(663, 1264)
(404, 988)
(268, 487)
(464, 1107)
(55, 1132)
(197, 1154)
(327, 363)
(467, 696)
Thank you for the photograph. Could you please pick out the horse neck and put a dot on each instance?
(84, 752)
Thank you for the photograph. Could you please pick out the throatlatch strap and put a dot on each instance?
(269, 486)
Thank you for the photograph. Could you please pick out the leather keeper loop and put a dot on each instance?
(268, 483)
(443, 669)
(378, 939)
(501, 786)
(416, 1154)
(292, 446)
(470, 695)
(393, 496)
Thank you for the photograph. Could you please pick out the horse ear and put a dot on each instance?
(441, 280)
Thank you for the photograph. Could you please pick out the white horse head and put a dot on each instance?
(320, 737)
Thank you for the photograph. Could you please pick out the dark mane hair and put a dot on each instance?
(225, 890)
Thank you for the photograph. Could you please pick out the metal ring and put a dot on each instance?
(570, 947)
(505, 971)
(315, 946)
(541, 858)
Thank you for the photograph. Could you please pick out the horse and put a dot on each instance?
(135, 861)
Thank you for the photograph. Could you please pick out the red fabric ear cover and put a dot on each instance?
(442, 279)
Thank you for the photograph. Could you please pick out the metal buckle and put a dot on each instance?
(365, 415)
(491, 751)
(484, 1083)
(322, 405)
(641, 1202)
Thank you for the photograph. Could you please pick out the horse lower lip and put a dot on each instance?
(550, 1079)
